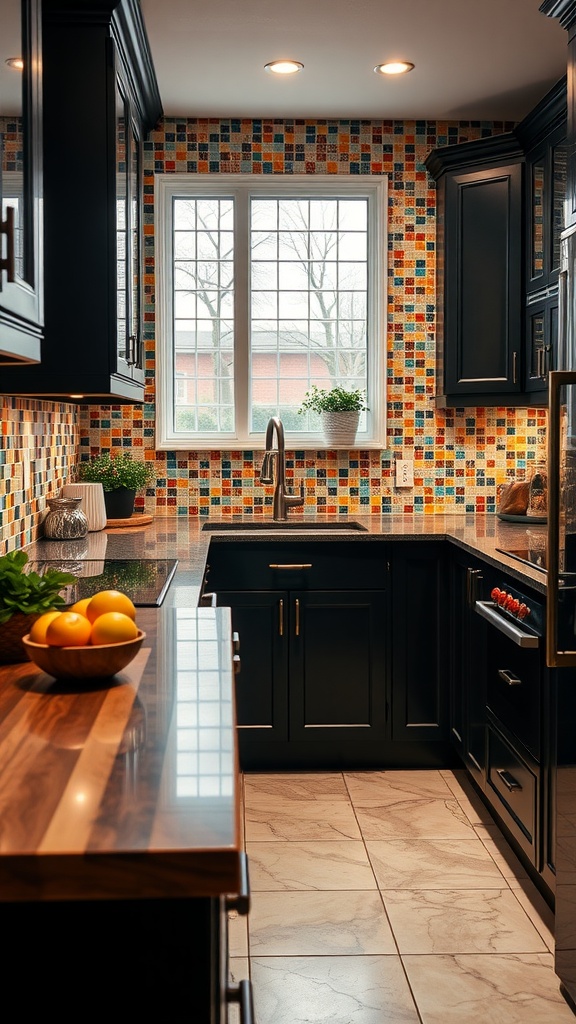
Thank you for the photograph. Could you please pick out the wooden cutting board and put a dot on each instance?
(137, 520)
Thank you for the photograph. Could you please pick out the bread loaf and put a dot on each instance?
(514, 498)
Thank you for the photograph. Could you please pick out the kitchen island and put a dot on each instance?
(120, 834)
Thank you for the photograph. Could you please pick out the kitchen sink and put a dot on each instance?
(289, 524)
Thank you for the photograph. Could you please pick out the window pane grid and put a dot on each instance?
(203, 382)
(308, 325)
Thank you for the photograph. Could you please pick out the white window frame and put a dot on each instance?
(171, 186)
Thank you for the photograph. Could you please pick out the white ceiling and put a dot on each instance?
(475, 59)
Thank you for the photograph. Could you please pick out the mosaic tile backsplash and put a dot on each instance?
(460, 456)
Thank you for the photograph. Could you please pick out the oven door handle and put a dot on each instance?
(518, 636)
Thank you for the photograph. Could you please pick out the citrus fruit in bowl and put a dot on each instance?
(86, 661)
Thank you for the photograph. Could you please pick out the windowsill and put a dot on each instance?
(257, 445)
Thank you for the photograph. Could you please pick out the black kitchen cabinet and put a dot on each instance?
(468, 644)
(419, 642)
(343, 648)
(500, 216)
(479, 271)
(312, 625)
(21, 271)
(543, 136)
(100, 99)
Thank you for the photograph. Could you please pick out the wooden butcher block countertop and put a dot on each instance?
(127, 787)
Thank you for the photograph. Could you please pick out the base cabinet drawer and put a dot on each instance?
(512, 788)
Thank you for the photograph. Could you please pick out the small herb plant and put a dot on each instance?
(114, 471)
(28, 592)
(336, 400)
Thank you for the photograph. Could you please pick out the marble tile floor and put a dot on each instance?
(388, 898)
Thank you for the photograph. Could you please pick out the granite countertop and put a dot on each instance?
(183, 538)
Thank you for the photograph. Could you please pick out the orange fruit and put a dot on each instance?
(80, 606)
(68, 629)
(38, 631)
(113, 628)
(110, 601)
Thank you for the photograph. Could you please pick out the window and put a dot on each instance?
(266, 288)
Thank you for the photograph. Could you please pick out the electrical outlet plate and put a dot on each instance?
(404, 473)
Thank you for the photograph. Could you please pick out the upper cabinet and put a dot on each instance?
(100, 100)
(21, 286)
(500, 215)
(478, 272)
(543, 136)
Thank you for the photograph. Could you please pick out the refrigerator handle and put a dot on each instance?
(556, 380)
(562, 346)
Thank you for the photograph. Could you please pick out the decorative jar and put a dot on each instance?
(65, 520)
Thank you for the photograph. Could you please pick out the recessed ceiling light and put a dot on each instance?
(283, 67)
(394, 67)
(15, 62)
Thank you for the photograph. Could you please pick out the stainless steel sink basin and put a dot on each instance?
(290, 524)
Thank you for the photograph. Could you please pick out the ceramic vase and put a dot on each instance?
(93, 505)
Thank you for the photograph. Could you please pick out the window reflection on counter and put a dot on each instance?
(203, 702)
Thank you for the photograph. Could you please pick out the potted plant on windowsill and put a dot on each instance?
(339, 411)
(121, 477)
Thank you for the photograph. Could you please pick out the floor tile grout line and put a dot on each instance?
(506, 886)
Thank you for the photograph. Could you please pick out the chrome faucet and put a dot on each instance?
(284, 498)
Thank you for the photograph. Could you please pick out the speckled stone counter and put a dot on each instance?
(183, 538)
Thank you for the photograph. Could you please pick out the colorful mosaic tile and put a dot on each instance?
(460, 455)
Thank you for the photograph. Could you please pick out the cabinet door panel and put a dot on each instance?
(262, 684)
(337, 663)
(419, 643)
(483, 280)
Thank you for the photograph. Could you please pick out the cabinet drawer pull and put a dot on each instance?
(235, 641)
(509, 677)
(242, 994)
(297, 610)
(281, 617)
(508, 779)
(7, 228)
(297, 566)
(236, 664)
(514, 367)
(241, 901)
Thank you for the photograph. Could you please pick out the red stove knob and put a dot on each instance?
(502, 598)
(523, 611)
(514, 606)
(495, 593)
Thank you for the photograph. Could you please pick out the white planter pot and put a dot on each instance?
(340, 427)
(92, 505)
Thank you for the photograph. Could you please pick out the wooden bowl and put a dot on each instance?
(89, 662)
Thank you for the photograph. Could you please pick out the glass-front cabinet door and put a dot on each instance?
(21, 291)
(128, 238)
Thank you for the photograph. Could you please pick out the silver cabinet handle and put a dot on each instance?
(508, 677)
(509, 781)
(242, 994)
(514, 367)
(240, 902)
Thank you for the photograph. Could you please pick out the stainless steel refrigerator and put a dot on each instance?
(561, 613)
